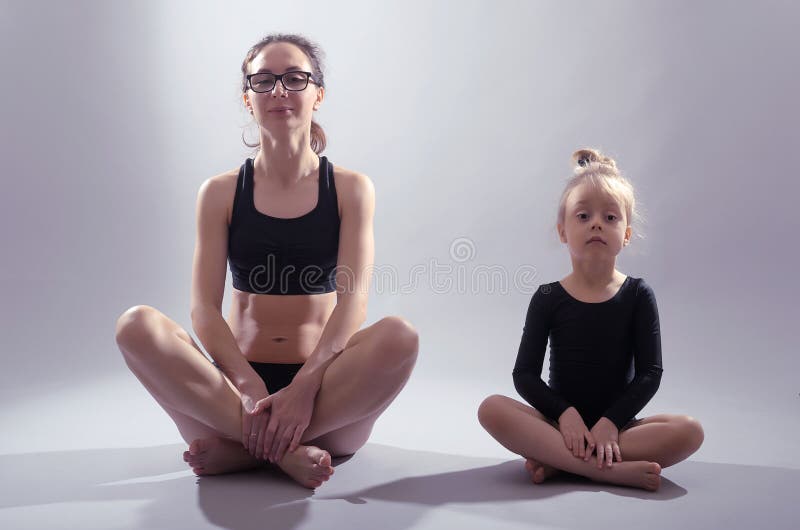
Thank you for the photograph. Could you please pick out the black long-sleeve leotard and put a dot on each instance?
(605, 358)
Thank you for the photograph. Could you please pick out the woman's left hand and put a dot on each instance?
(290, 411)
(606, 436)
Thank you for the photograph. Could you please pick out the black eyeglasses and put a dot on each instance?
(291, 81)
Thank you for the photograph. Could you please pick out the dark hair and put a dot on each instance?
(315, 56)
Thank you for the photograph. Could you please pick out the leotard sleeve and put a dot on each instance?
(647, 359)
(530, 358)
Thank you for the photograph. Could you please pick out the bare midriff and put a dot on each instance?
(279, 328)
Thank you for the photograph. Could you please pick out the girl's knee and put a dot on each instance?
(490, 409)
(693, 432)
(686, 433)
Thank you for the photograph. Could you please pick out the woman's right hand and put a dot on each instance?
(252, 424)
(574, 431)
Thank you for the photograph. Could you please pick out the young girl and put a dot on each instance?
(605, 353)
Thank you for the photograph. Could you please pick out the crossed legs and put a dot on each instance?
(206, 407)
(652, 443)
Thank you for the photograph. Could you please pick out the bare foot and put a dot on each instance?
(642, 474)
(213, 456)
(309, 466)
(539, 472)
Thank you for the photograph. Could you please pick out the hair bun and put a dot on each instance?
(582, 158)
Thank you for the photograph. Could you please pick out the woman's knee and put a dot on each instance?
(345, 441)
(135, 326)
(397, 339)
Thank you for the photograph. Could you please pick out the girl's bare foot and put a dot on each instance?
(214, 456)
(309, 466)
(642, 474)
(539, 472)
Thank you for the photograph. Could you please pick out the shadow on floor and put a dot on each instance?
(391, 489)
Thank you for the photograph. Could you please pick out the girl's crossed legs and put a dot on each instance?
(646, 446)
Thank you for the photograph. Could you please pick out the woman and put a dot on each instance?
(294, 382)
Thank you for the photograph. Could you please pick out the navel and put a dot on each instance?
(279, 339)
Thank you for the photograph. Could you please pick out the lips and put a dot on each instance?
(592, 240)
(279, 109)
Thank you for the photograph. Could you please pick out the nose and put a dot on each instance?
(596, 223)
(278, 82)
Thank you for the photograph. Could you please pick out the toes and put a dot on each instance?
(320, 474)
(325, 460)
(197, 446)
(317, 469)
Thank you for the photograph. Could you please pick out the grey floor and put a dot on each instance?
(117, 464)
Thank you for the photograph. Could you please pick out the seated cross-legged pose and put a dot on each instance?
(605, 353)
(294, 381)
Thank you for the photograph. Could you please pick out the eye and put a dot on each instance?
(262, 80)
(611, 217)
(583, 216)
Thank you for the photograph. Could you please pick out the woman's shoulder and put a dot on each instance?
(350, 179)
(220, 181)
(353, 186)
(217, 192)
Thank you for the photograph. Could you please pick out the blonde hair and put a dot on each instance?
(601, 172)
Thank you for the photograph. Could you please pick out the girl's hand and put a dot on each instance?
(574, 431)
(252, 423)
(607, 436)
(290, 412)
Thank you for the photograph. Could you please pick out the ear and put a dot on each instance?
(628, 233)
(247, 105)
(320, 97)
(562, 234)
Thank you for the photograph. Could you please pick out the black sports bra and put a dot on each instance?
(274, 255)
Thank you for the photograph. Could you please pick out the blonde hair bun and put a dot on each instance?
(582, 159)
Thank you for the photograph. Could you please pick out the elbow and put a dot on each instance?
(518, 384)
(356, 308)
(656, 382)
(202, 316)
(655, 375)
(359, 312)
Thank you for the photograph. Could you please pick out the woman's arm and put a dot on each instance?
(647, 359)
(208, 282)
(354, 271)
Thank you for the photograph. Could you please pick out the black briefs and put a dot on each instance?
(275, 375)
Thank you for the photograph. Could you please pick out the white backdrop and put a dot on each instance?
(464, 114)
